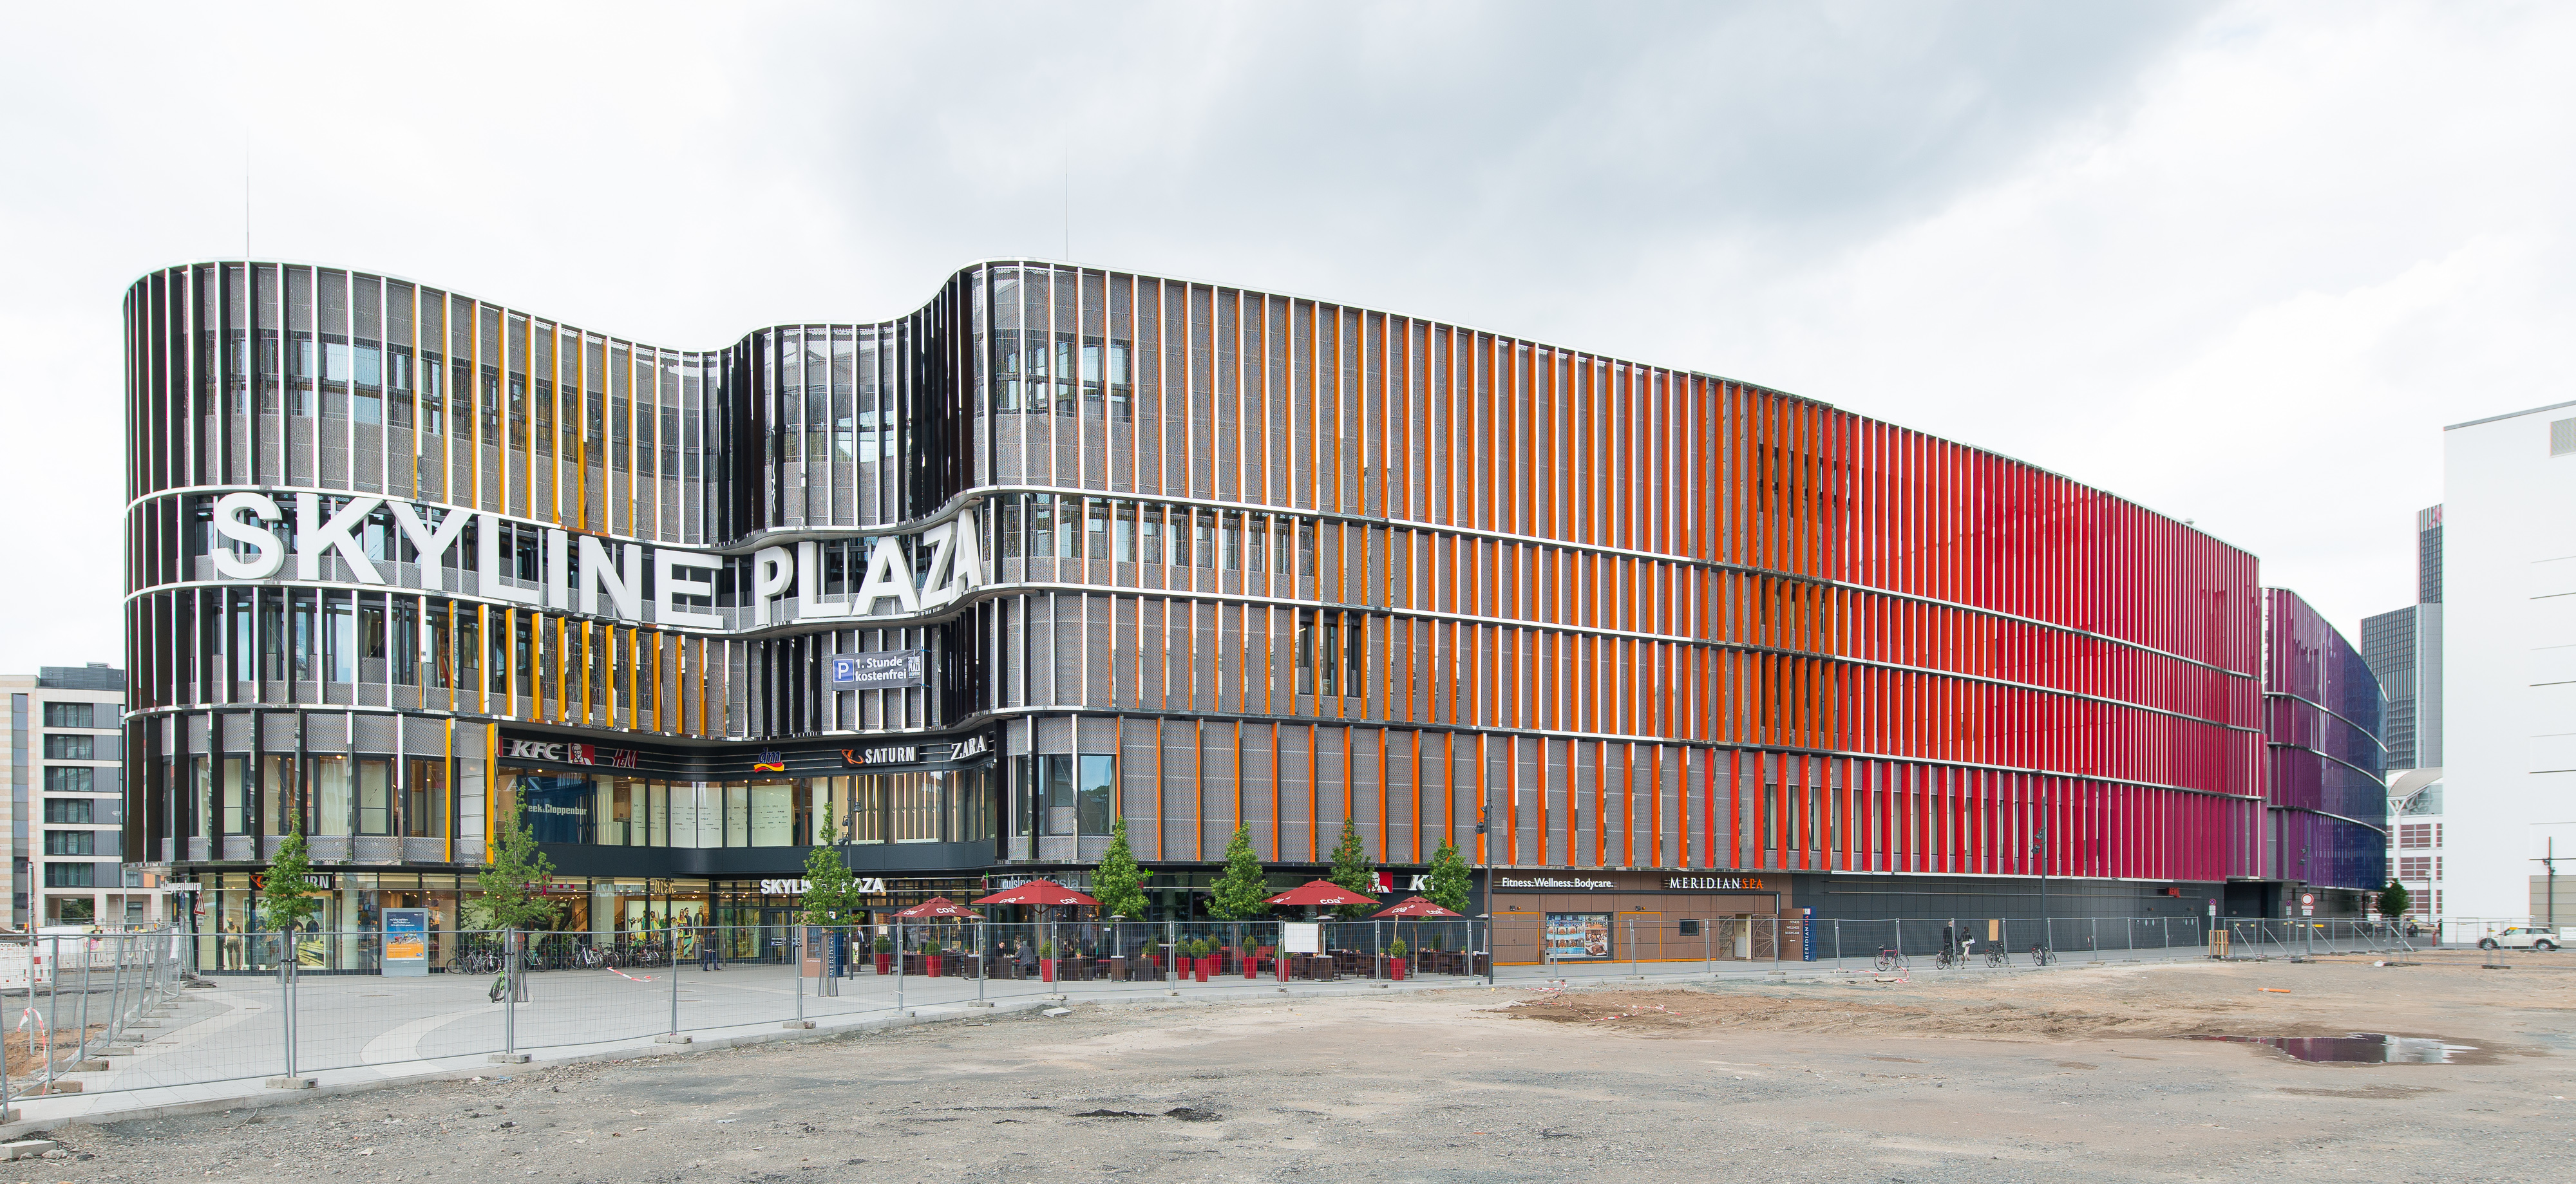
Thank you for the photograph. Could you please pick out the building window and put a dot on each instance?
(71, 715)
(69, 875)
(1068, 795)
(76, 812)
(70, 748)
(1332, 651)
(70, 842)
(2419, 835)
(74, 779)
(2562, 436)
(2419, 868)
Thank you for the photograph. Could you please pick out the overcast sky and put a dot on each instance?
(2238, 262)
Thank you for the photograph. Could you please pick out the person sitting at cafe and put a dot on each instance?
(1027, 958)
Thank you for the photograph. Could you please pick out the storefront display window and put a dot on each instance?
(557, 806)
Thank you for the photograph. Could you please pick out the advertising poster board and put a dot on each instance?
(1578, 937)
(406, 942)
(1301, 937)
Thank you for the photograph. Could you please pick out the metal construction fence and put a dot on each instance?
(122, 1011)
(1577, 944)
(75, 997)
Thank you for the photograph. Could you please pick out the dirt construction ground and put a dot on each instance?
(2060, 1075)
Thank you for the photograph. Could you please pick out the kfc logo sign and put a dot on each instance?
(563, 753)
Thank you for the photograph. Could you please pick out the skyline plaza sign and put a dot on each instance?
(641, 583)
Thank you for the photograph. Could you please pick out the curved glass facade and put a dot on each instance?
(1067, 545)
(2323, 715)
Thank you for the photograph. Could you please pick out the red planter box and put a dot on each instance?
(1206, 965)
(1046, 970)
(885, 964)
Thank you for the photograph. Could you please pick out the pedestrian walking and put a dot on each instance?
(707, 951)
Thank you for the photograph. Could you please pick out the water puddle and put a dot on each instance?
(2362, 1048)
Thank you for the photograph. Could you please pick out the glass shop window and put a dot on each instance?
(375, 797)
(425, 794)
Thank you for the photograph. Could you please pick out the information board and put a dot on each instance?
(406, 933)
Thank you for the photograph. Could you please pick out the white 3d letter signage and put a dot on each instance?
(585, 573)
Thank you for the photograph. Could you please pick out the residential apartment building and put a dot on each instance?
(66, 801)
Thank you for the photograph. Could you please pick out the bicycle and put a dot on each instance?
(1890, 960)
(1956, 955)
(2041, 955)
(1997, 957)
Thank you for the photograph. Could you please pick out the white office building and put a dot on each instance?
(66, 793)
(2508, 678)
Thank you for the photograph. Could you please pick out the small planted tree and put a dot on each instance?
(511, 877)
(2394, 900)
(831, 892)
(1352, 870)
(1241, 893)
(1118, 884)
(1450, 879)
(287, 901)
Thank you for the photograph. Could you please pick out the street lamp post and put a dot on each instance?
(2039, 850)
(1485, 859)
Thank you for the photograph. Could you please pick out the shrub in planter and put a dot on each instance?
(885, 954)
(1046, 961)
(1395, 959)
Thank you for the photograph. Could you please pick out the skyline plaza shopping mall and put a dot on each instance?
(1067, 545)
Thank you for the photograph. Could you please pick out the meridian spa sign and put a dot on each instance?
(658, 585)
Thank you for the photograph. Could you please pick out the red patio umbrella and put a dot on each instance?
(1321, 893)
(1042, 892)
(941, 906)
(1413, 906)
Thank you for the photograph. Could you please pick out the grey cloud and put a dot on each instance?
(1384, 134)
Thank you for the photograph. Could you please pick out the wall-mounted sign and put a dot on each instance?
(1714, 883)
(865, 885)
(588, 574)
(915, 754)
(771, 761)
(1576, 937)
(567, 753)
(880, 670)
(1552, 882)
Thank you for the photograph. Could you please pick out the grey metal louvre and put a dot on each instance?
(372, 732)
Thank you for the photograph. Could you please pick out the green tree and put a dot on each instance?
(1241, 893)
(510, 877)
(1450, 879)
(286, 901)
(1352, 870)
(1118, 884)
(2394, 900)
(831, 892)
